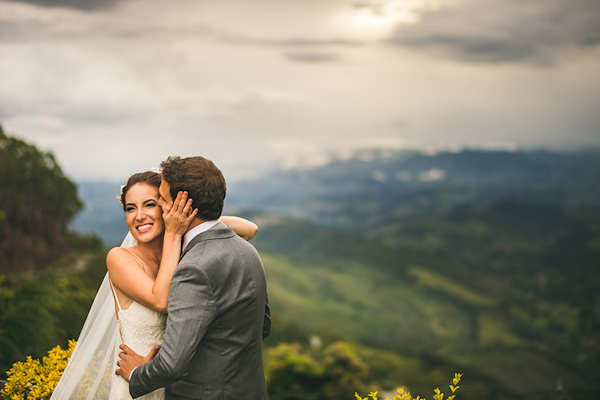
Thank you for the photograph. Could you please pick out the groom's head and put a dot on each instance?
(203, 181)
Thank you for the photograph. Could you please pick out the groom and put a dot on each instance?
(218, 308)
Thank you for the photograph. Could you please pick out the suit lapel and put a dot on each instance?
(219, 231)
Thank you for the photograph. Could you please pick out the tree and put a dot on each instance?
(294, 372)
(37, 202)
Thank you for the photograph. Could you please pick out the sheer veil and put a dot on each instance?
(93, 362)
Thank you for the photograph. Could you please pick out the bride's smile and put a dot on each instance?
(144, 228)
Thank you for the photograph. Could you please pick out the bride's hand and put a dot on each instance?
(179, 214)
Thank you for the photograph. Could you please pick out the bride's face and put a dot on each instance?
(143, 214)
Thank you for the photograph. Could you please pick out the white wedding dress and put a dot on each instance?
(141, 328)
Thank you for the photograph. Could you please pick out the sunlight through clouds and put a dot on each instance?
(268, 83)
(376, 19)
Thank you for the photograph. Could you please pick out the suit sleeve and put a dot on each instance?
(191, 311)
(267, 320)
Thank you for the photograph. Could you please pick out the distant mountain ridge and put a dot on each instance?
(378, 185)
(102, 214)
(363, 190)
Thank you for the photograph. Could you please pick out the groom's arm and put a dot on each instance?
(266, 320)
(191, 310)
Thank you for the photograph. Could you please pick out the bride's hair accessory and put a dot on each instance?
(120, 197)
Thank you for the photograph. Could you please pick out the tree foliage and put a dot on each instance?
(296, 372)
(48, 274)
(37, 314)
(37, 202)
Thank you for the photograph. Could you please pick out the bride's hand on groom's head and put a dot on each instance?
(179, 214)
(129, 360)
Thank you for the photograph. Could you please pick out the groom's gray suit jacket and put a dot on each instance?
(218, 316)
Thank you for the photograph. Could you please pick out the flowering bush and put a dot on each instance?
(35, 380)
(404, 395)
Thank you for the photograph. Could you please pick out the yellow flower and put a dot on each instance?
(35, 380)
(404, 395)
(456, 379)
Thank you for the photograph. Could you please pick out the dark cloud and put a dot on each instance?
(294, 42)
(84, 5)
(307, 55)
(495, 31)
(312, 57)
(317, 43)
(13, 32)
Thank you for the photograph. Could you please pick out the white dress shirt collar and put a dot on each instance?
(195, 231)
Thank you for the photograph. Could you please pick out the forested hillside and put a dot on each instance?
(48, 274)
(518, 320)
(486, 260)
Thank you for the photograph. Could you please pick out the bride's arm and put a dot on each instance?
(242, 227)
(131, 280)
(177, 217)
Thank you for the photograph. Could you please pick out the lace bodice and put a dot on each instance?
(141, 328)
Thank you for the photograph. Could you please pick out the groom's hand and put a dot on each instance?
(130, 360)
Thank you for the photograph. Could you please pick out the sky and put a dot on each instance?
(114, 87)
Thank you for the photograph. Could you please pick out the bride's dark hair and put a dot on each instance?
(149, 178)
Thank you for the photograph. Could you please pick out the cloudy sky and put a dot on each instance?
(114, 87)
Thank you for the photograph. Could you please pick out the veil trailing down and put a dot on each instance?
(91, 367)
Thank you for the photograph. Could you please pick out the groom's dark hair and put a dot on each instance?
(203, 181)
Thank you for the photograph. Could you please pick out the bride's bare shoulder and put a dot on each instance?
(117, 251)
(118, 256)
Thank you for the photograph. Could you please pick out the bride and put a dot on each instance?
(135, 289)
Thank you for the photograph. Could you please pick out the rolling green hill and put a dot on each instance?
(437, 306)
